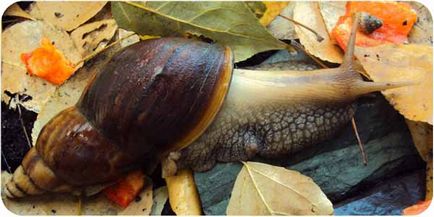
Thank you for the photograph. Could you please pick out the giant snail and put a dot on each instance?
(172, 95)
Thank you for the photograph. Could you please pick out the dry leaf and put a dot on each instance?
(422, 29)
(331, 11)
(16, 11)
(183, 196)
(429, 182)
(25, 37)
(66, 15)
(160, 197)
(273, 9)
(133, 38)
(94, 36)
(422, 137)
(68, 94)
(326, 49)
(262, 189)
(280, 27)
(229, 23)
(423, 140)
(59, 204)
(401, 63)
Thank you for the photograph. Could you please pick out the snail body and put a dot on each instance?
(173, 95)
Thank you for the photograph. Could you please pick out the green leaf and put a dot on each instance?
(228, 23)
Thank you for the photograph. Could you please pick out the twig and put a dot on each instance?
(319, 38)
(6, 162)
(359, 141)
(22, 121)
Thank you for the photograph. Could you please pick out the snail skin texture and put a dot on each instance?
(180, 100)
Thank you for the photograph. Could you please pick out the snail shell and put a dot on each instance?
(151, 98)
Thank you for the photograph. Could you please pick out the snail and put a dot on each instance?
(181, 100)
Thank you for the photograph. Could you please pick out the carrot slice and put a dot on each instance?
(418, 208)
(398, 19)
(126, 189)
(48, 63)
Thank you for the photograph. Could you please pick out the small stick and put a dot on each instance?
(22, 121)
(6, 162)
(359, 141)
(319, 38)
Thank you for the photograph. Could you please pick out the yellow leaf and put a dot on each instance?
(308, 13)
(331, 11)
(422, 138)
(272, 11)
(262, 189)
(183, 196)
(66, 15)
(16, 11)
(401, 63)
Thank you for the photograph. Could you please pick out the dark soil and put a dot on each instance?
(14, 144)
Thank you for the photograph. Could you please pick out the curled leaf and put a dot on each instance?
(183, 196)
(16, 11)
(280, 27)
(325, 49)
(262, 189)
(402, 63)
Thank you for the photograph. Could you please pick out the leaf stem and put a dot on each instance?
(319, 38)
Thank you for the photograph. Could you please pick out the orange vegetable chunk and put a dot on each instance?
(48, 63)
(398, 19)
(126, 189)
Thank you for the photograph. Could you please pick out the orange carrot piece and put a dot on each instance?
(418, 208)
(126, 189)
(48, 63)
(398, 19)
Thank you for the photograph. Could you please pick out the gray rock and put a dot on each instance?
(335, 165)
(386, 198)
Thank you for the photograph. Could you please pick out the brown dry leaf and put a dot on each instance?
(160, 197)
(262, 189)
(331, 11)
(22, 38)
(423, 140)
(402, 63)
(273, 9)
(130, 37)
(183, 195)
(429, 182)
(63, 204)
(16, 11)
(422, 137)
(422, 30)
(66, 15)
(280, 27)
(68, 94)
(326, 49)
(94, 36)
